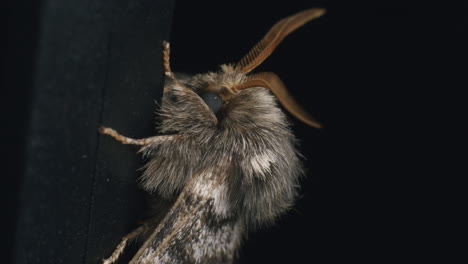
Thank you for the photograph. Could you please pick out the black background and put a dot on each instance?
(373, 73)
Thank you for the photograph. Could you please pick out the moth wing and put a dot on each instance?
(190, 231)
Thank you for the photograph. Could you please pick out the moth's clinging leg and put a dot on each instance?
(121, 246)
(166, 60)
(126, 140)
(167, 65)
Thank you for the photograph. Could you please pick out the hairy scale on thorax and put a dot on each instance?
(226, 155)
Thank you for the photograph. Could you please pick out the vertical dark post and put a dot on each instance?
(97, 63)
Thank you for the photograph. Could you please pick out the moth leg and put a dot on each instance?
(166, 59)
(121, 246)
(126, 140)
(167, 65)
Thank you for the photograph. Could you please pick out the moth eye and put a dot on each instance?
(212, 100)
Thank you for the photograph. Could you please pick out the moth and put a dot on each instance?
(226, 159)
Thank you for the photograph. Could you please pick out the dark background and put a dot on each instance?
(375, 74)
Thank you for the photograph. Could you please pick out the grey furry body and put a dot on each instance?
(232, 171)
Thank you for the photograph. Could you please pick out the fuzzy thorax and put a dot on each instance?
(250, 131)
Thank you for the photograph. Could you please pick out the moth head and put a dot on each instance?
(216, 90)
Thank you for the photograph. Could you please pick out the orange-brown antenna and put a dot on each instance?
(277, 33)
(273, 83)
